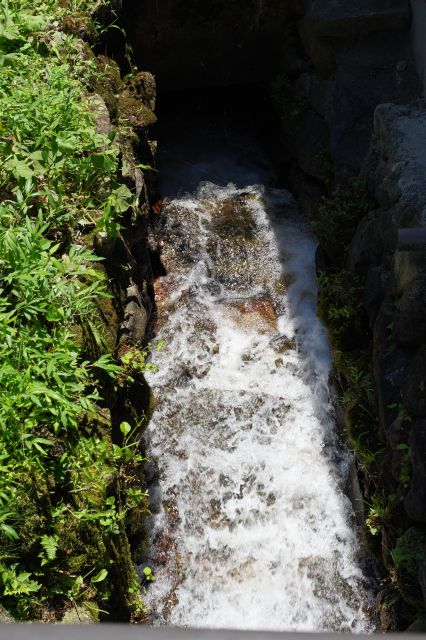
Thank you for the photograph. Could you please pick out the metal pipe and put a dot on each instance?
(415, 235)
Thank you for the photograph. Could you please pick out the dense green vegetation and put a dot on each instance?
(65, 486)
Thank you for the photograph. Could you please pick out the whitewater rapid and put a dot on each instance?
(251, 529)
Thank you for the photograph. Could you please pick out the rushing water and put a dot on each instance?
(252, 529)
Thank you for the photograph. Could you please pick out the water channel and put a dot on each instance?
(251, 526)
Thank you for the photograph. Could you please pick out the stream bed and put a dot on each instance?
(251, 528)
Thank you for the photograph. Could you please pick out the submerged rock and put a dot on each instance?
(255, 314)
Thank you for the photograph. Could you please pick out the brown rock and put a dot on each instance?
(144, 85)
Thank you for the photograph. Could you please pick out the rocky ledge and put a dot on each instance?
(394, 279)
(395, 289)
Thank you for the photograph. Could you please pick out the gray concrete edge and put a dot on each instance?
(131, 632)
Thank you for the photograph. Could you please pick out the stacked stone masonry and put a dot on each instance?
(396, 282)
(358, 73)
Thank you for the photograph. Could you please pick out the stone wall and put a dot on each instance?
(354, 100)
(395, 284)
(352, 57)
(394, 279)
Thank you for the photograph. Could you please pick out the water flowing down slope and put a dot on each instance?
(253, 530)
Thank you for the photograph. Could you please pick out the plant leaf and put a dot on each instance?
(99, 577)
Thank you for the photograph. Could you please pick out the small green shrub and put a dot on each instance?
(377, 515)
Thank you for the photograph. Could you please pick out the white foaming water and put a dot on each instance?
(253, 530)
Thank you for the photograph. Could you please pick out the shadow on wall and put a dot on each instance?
(193, 43)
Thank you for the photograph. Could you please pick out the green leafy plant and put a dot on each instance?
(118, 202)
(377, 515)
(134, 363)
(49, 546)
(148, 575)
(402, 411)
(17, 583)
(65, 487)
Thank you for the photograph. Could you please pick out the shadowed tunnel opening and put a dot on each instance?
(200, 130)
(214, 63)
